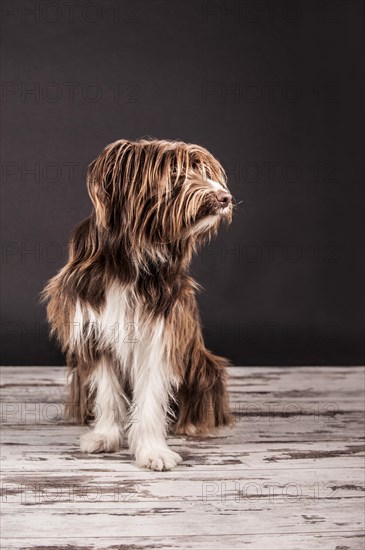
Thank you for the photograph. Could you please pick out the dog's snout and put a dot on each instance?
(224, 198)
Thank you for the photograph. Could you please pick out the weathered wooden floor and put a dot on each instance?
(288, 475)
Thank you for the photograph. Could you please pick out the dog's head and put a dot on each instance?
(157, 192)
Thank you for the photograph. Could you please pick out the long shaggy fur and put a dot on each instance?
(124, 308)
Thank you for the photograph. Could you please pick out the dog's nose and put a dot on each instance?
(224, 198)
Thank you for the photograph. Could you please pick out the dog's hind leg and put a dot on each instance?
(202, 397)
(109, 410)
(202, 400)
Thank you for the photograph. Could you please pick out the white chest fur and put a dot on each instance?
(135, 339)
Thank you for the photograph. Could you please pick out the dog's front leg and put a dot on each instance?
(109, 411)
(148, 423)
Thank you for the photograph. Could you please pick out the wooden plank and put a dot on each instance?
(97, 487)
(260, 429)
(178, 519)
(340, 540)
(65, 456)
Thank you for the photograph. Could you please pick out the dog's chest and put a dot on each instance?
(121, 327)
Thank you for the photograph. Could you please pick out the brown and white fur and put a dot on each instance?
(124, 308)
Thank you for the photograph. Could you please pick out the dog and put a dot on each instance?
(124, 308)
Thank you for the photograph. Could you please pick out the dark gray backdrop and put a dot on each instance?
(273, 89)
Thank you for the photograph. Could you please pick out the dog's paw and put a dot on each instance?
(160, 458)
(188, 429)
(97, 442)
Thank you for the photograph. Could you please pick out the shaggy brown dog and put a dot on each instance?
(124, 306)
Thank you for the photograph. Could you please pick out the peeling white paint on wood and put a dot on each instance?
(289, 473)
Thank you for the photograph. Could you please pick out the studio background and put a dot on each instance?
(273, 90)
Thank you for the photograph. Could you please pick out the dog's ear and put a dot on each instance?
(98, 192)
(105, 180)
